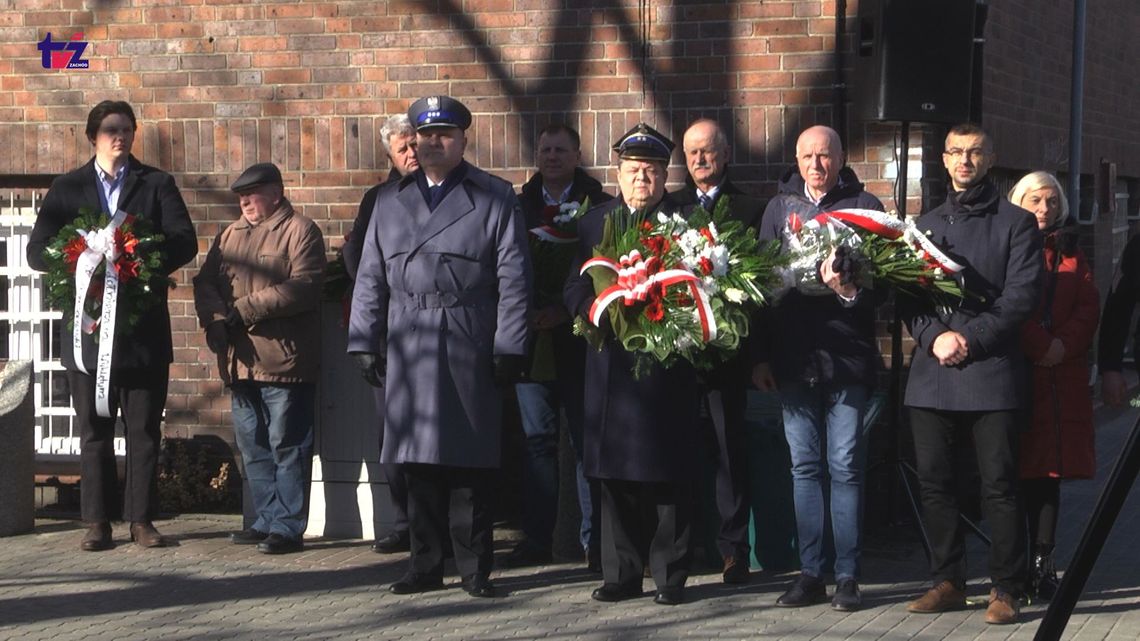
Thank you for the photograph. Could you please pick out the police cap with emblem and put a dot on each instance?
(644, 143)
(439, 111)
(263, 173)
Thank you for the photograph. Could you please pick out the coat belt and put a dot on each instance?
(436, 300)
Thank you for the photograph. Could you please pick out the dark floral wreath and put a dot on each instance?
(139, 264)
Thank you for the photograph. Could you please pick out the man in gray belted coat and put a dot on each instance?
(439, 317)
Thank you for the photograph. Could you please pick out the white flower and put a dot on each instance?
(938, 272)
(708, 283)
(662, 218)
(734, 295)
(719, 257)
(691, 241)
(570, 207)
(712, 230)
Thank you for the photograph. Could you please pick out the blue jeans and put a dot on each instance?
(831, 416)
(539, 405)
(273, 426)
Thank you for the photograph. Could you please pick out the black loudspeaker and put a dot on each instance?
(915, 59)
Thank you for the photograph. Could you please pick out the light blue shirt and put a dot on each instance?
(551, 200)
(110, 188)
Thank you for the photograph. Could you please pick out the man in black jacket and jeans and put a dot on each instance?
(819, 350)
(557, 358)
(968, 377)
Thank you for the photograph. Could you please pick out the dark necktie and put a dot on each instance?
(434, 193)
(706, 202)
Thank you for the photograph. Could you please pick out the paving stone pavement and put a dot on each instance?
(206, 589)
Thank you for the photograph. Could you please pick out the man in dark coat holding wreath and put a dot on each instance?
(111, 181)
(640, 433)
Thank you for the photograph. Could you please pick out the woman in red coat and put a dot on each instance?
(1058, 444)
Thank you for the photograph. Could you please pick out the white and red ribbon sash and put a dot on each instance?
(872, 220)
(937, 255)
(633, 286)
(553, 234)
(100, 246)
(888, 226)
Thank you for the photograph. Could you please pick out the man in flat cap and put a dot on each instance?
(258, 297)
(439, 318)
(640, 433)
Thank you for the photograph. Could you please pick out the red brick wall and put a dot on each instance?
(1028, 54)
(219, 85)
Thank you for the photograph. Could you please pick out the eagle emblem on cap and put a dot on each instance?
(433, 102)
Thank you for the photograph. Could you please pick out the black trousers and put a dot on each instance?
(397, 484)
(945, 445)
(450, 501)
(633, 512)
(726, 410)
(140, 396)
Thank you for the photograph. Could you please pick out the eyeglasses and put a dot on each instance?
(116, 131)
(975, 153)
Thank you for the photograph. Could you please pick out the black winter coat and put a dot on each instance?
(354, 247)
(816, 339)
(147, 193)
(1000, 246)
(635, 430)
(569, 350)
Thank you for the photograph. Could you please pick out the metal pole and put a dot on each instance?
(1108, 507)
(1076, 107)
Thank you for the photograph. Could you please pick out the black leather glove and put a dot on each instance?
(509, 369)
(233, 319)
(217, 339)
(372, 367)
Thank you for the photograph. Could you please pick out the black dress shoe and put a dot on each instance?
(278, 544)
(97, 537)
(847, 597)
(527, 554)
(248, 537)
(393, 542)
(670, 596)
(806, 590)
(478, 585)
(611, 592)
(413, 583)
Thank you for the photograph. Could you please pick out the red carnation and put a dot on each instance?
(707, 233)
(128, 268)
(655, 311)
(126, 242)
(656, 244)
(646, 225)
(706, 265)
(72, 250)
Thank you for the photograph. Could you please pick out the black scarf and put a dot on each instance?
(976, 198)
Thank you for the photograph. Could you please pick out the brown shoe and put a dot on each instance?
(1002, 609)
(98, 537)
(735, 571)
(144, 534)
(940, 598)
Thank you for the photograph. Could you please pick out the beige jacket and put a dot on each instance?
(271, 273)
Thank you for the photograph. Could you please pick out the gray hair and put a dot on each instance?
(398, 125)
(1039, 180)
